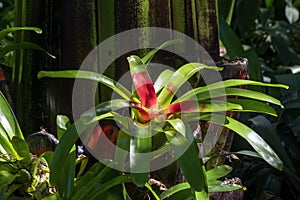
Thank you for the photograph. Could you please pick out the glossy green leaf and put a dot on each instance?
(241, 93)
(162, 79)
(68, 175)
(218, 172)
(249, 105)
(6, 146)
(225, 84)
(123, 142)
(257, 142)
(230, 40)
(174, 189)
(63, 148)
(5, 32)
(224, 187)
(142, 82)
(8, 120)
(22, 45)
(117, 87)
(147, 58)
(178, 79)
(21, 148)
(147, 185)
(218, 106)
(140, 148)
(186, 150)
(62, 123)
(104, 108)
(268, 132)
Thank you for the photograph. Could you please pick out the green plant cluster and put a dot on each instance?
(267, 32)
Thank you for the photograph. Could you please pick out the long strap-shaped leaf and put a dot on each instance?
(249, 105)
(178, 79)
(22, 45)
(118, 88)
(142, 82)
(186, 150)
(225, 84)
(8, 120)
(6, 31)
(140, 149)
(262, 148)
(147, 58)
(239, 92)
(162, 79)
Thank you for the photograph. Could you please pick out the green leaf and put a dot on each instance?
(21, 148)
(104, 108)
(109, 184)
(118, 88)
(263, 126)
(201, 195)
(147, 185)
(6, 31)
(218, 172)
(162, 79)
(174, 189)
(257, 142)
(186, 150)
(6, 179)
(249, 105)
(22, 45)
(225, 84)
(63, 148)
(90, 179)
(218, 106)
(140, 148)
(147, 58)
(230, 40)
(8, 120)
(239, 92)
(62, 123)
(179, 77)
(123, 142)
(68, 175)
(224, 187)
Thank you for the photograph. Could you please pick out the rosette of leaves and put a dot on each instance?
(153, 107)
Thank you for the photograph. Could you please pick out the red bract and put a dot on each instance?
(142, 83)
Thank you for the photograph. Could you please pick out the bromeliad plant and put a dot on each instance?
(154, 108)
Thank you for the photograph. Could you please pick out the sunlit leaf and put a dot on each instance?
(218, 172)
(162, 79)
(225, 84)
(117, 87)
(62, 123)
(8, 119)
(186, 150)
(178, 79)
(241, 93)
(249, 105)
(257, 142)
(142, 82)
